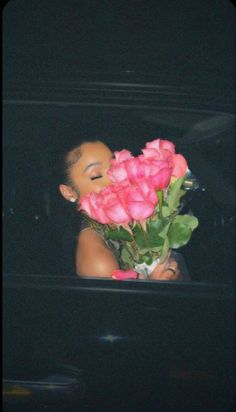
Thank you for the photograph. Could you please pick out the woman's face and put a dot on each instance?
(89, 173)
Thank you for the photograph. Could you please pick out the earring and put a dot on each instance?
(72, 199)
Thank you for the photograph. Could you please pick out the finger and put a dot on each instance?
(167, 270)
(171, 276)
(172, 272)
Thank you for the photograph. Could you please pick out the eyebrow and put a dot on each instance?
(91, 165)
(96, 164)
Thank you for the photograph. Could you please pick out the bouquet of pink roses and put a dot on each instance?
(140, 208)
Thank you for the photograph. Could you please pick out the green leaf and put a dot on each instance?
(125, 256)
(175, 193)
(179, 234)
(156, 226)
(156, 249)
(160, 202)
(119, 234)
(147, 259)
(140, 236)
(140, 260)
(132, 251)
(156, 241)
(156, 231)
(154, 234)
(189, 220)
(143, 251)
(165, 249)
(165, 211)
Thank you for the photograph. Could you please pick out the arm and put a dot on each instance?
(93, 257)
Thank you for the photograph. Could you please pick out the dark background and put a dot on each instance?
(187, 41)
(49, 47)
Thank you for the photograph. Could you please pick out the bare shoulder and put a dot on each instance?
(93, 257)
(87, 235)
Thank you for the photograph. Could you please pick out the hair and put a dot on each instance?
(67, 158)
(67, 216)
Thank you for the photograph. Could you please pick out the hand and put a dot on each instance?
(168, 270)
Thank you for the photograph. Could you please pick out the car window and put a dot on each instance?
(34, 214)
(125, 81)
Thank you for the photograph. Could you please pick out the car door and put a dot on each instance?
(88, 344)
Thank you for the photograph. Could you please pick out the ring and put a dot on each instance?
(173, 270)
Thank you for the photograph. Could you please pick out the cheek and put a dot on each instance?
(80, 186)
(84, 189)
(94, 186)
(88, 187)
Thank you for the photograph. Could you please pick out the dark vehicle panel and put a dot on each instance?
(151, 347)
(75, 344)
(39, 118)
(126, 73)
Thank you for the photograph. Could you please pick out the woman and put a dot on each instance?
(85, 171)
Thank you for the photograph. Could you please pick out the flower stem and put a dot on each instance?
(160, 198)
(144, 235)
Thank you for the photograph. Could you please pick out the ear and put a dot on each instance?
(68, 193)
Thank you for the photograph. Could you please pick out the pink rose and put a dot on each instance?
(148, 191)
(130, 169)
(117, 172)
(165, 150)
(180, 166)
(162, 179)
(114, 210)
(151, 154)
(118, 187)
(161, 144)
(85, 204)
(135, 170)
(159, 149)
(153, 166)
(155, 154)
(132, 195)
(105, 207)
(124, 274)
(136, 203)
(90, 204)
(157, 172)
(121, 156)
(140, 168)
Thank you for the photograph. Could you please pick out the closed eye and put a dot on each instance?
(95, 177)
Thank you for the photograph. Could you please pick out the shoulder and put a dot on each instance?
(93, 257)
